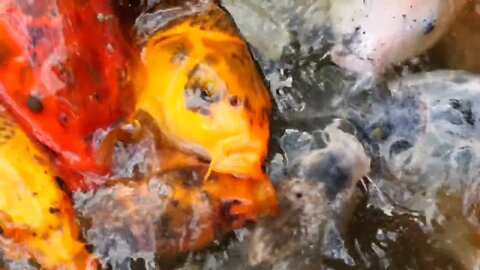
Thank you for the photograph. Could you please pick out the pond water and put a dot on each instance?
(374, 170)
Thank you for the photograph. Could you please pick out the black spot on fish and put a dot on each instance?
(226, 210)
(61, 183)
(53, 210)
(6, 132)
(465, 108)
(247, 105)
(34, 104)
(234, 101)
(7, 136)
(89, 247)
(428, 25)
(399, 147)
(97, 97)
(63, 119)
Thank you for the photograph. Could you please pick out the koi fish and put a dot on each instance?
(221, 203)
(36, 217)
(63, 71)
(204, 91)
(198, 89)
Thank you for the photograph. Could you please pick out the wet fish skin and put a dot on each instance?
(63, 74)
(36, 216)
(373, 35)
(200, 70)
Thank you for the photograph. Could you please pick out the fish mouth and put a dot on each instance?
(242, 164)
(241, 156)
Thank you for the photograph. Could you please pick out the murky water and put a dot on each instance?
(372, 172)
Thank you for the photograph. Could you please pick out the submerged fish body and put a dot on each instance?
(62, 73)
(426, 133)
(204, 91)
(316, 194)
(444, 145)
(372, 35)
(36, 216)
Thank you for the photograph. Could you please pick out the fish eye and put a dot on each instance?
(199, 95)
(206, 95)
(205, 92)
(203, 88)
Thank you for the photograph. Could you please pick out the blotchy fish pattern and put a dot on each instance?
(62, 73)
(37, 220)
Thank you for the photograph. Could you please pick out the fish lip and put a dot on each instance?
(240, 164)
